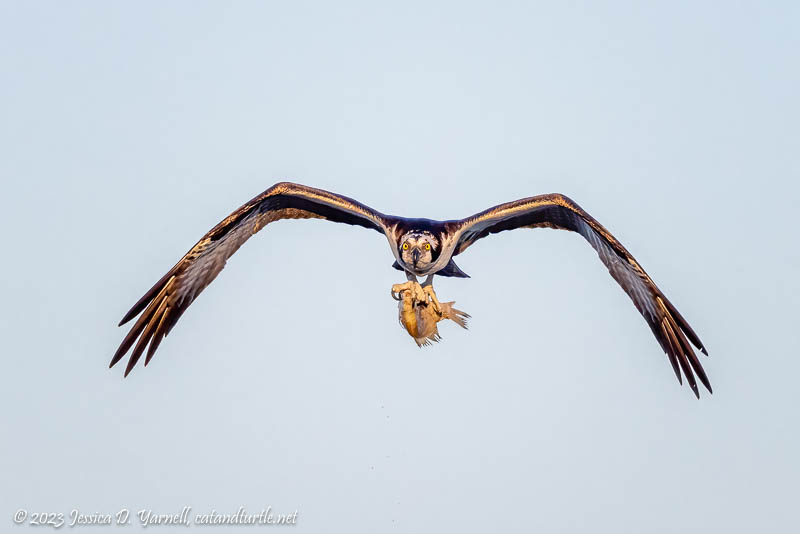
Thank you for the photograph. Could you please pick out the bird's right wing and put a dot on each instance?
(165, 302)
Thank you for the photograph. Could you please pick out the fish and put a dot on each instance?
(419, 312)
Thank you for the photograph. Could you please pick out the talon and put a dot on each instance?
(397, 289)
(420, 296)
(416, 293)
(430, 293)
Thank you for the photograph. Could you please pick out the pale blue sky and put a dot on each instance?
(129, 129)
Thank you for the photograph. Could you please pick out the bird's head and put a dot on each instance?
(417, 250)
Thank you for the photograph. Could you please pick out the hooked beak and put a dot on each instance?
(415, 255)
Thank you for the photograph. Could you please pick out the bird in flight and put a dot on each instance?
(421, 248)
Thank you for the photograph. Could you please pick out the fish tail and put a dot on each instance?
(457, 316)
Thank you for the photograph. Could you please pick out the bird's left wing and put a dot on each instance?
(558, 211)
(166, 301)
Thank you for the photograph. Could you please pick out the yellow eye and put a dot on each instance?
(427, 246)
(405, 246)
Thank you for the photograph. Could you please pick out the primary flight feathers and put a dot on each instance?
(167, 300)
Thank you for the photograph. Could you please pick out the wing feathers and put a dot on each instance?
(146, 335)
(142, 323)
(669, 348)
(168, 299)
(675, 344)
(145, 300)
(684, 325)
(157, 336)
(557, 211)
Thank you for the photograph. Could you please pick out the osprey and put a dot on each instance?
(421, 247)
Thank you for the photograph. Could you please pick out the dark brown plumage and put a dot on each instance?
(557, 211)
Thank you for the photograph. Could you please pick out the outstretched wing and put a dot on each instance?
(558, 211)
(165, 302)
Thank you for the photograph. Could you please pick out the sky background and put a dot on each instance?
(130, 129)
